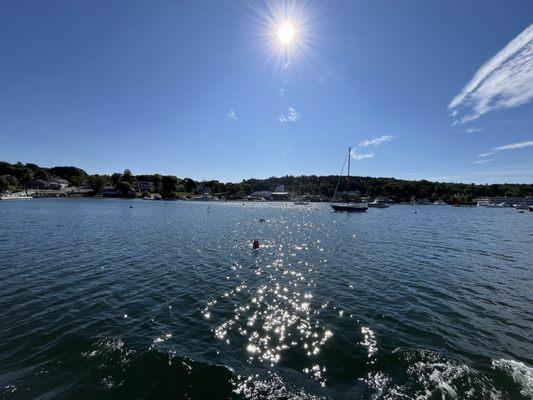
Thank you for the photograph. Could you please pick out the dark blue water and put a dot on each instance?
(168, 300)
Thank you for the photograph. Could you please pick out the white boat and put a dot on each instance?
(15, 197)
(347, 207)
(378, 204)
(155, 196)
(205, 197)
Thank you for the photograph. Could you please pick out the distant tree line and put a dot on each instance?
(17, 176)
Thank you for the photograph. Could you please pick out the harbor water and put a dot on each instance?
(169, 300)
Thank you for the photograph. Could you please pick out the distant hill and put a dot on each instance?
(16, 176)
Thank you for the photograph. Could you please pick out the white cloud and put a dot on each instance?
(473, 130)
(358, 156)
(376, 141)
(290, 116)
(232, 115)
(504, 81)
(324, 77)
(514, 146)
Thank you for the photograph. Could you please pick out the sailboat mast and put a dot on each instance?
(348, 183)
(349, 154)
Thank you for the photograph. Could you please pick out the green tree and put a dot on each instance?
(169, 186)
(127, 177)
(156, 181)
(189, 184)
(96, 182)
(115, 179)
(124, 188)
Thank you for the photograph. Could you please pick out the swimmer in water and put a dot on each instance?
(255, 244)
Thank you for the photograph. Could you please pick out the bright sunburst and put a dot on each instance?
(286, 32)
(286, 36)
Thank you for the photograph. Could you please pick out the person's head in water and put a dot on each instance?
(255, 244)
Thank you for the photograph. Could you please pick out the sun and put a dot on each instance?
(286, 32)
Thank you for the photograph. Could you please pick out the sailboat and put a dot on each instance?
(348, 207)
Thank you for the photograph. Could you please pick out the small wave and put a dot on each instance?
(273, 387)
(423, 374)
(521, 374)
(119, 372)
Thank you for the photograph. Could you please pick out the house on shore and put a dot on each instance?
(58, 184)
(508, 201)
(265, 194)
(110, 191)
(145, 186)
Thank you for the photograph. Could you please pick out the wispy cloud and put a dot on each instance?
(473, 130)
(494, 150)
(231, 114)
(291, 115)
(358, 156)
(376, 141)
(504, 81)
(485, 160)
(514, 146)
(283, 88)
(324, 77)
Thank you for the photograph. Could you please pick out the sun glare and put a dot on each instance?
(286, 32)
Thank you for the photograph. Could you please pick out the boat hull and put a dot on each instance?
(349, 208)
(378, 205)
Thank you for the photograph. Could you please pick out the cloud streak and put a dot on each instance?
(486, 160)
(514, 146)
(291, 115)
(504, 81)
(359, 156)
(232, 115)
(378, 141)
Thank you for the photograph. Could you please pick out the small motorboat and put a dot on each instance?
(378, 204)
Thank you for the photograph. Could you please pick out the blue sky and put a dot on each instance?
(205, 89)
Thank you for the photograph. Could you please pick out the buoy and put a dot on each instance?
(255, 244)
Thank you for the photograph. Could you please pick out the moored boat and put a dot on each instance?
(347, 207)
(11, 197)
(378, 204)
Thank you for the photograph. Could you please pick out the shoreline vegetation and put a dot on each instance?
(69, 181)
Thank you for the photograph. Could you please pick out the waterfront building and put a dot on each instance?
(265, 194)
(508, 201)
(110, 191)
(58, 184)
(145, 186)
